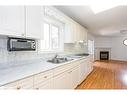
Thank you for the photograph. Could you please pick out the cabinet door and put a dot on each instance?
(12, 20)
(74, 77)
(34, 22)
(83, 70)
(81, 33)
(77, 33)
(68, 37)
(90, 63)
(62, 81)
(85, 31)
(69, 33)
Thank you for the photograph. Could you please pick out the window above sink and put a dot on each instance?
(52, 36)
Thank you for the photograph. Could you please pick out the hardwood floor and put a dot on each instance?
(106, 75)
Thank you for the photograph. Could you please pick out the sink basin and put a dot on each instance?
(83, 54)
(59, 60)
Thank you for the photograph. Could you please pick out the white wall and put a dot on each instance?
(102, 42)
(119, 50)
(90, 36)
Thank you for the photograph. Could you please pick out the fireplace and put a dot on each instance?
(104, 55)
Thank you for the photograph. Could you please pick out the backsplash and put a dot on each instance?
(71, 48)
(6, 56)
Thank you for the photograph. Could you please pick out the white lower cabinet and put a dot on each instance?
(89, 64)
(68, 79)
(91, 61)
(83, 70)
(9, 86)
(74, 77)
(26, 83)
(61, 81)
(63, 77)
(43, 80)
(48, 84)
(86, 67)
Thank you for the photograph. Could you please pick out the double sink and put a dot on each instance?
(58, 60)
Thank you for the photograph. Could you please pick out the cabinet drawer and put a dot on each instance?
(9, 86)
(64, 68)
(74, 64)
(83, 60)
(42, 77)
(26, 83)
(61, 69)
(48, 84)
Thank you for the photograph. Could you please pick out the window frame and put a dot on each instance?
(49, 35)
(60, 26)
(58, 37)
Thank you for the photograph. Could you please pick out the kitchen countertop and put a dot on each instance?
(10, 72)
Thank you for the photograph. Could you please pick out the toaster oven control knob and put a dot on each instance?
(33, 45)
(23, 34)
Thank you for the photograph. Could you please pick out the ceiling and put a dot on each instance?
(106, 23)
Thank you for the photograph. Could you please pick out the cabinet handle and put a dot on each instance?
(69, 72)
(23, 34)
(45, 76)
(18, 87)
(37, 88)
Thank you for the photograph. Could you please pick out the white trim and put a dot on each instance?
(61, 39)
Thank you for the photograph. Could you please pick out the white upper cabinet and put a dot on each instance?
(34, 22)
(12, 20)
(20, 21)
(27, 21)
(85, 31)
(74, 32)
(69, 32)
(81, 33)
(78, 32)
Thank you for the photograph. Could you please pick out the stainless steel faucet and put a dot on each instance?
(55, 56)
